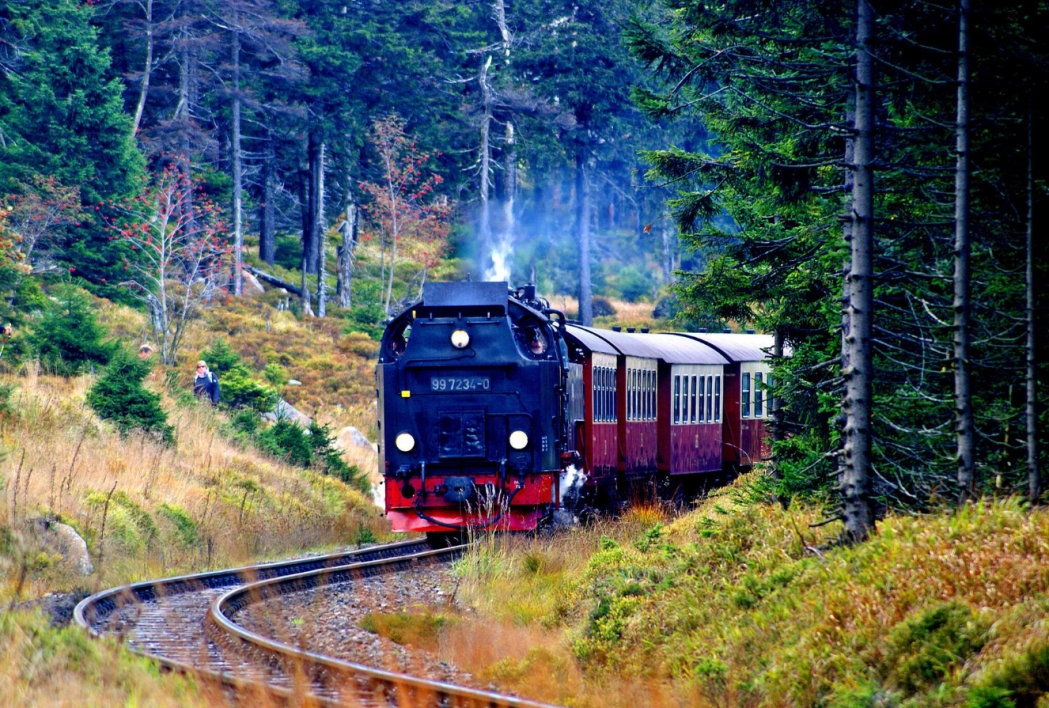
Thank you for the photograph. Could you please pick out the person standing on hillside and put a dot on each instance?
(206, 384)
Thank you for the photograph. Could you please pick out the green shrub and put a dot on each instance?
(68, 338)
(288, 442)
(925, 649)
(328, 458)
(184, 525)
(1019, 681)
(118, 396)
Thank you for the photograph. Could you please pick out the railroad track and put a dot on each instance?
(187, 624)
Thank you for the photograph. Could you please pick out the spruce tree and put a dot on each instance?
(118, 396)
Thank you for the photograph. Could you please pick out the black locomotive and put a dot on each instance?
(471, 388)
(492, 407)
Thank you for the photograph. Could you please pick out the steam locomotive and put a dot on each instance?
(495, 412)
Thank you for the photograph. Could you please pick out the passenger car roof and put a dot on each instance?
(736, 347)
(589, 341)
(665, 347)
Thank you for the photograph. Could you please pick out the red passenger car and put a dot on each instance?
(746, 405)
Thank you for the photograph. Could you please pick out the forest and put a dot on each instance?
(865, 180)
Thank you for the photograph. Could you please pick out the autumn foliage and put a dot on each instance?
(177, 252)
(404, 212)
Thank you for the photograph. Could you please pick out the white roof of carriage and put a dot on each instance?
(665, 347)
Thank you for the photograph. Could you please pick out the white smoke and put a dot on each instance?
(572, 479)
(499, 271)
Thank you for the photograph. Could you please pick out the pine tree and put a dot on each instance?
(118, 396)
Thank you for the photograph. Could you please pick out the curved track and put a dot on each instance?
(184, 623)
(335, 679)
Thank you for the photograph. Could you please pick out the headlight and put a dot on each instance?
(460, 338)
(404, 442)
(518, 440)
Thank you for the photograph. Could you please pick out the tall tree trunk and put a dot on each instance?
(238, 169)
(855, 484)
(147, 70)
(322, 251)
(1034, 481)
(309, 204)
(586, 305)
(484, 226)
(267, 210)
(963, 412)
(307, 218)
(667, 235)
(344, 257)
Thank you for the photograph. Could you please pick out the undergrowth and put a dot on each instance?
(740, 602)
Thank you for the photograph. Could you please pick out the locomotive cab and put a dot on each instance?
(469, 429)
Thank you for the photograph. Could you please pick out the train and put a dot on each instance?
(495, 412)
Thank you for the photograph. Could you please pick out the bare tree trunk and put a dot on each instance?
(586, 305)
(322, 251)
(147, 71)
(666, 232)
(485, 218)
(238, 169)
(963, 411)
(856, 477)
(1034, 480)
(267, 215)
(344, 256)
(313, 200)
(307, 220)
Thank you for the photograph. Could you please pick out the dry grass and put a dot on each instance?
(44, 667)
(204, 502)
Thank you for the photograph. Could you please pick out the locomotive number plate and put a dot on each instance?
(460, 383)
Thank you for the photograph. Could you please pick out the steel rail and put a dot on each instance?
(96, 609)
(330, 677)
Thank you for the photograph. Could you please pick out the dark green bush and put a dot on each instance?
(329, 459)
(118, 396)
(287, 441)
(926, 648)
(68, 338)
(1019, 681)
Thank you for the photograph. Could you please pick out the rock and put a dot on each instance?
(64, 539)
(75, 548)
(351, 437)
(251, 284)
(288, 412)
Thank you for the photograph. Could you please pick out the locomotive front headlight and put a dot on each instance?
(519, 440)
(404, 442)
(460, 338)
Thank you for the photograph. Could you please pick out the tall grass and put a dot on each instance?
(164, 510)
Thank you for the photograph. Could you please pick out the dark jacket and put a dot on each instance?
(207, 385)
